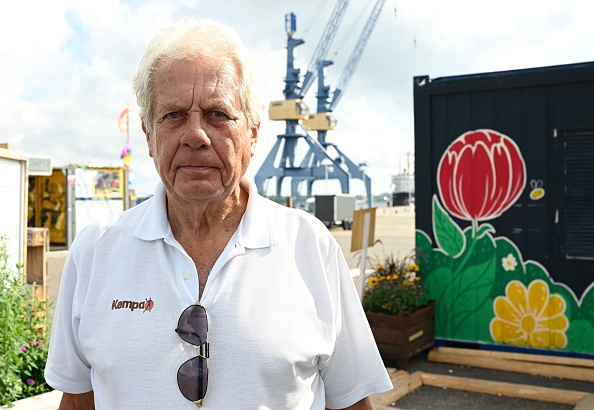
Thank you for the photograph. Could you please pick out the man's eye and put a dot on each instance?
(219, 114)
(174, 115)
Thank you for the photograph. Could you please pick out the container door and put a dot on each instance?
(575, 209)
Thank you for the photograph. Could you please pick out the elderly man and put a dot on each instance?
(208, 294)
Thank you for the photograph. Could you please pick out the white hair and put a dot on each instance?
(189, 39)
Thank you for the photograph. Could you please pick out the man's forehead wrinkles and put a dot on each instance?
(203, 87)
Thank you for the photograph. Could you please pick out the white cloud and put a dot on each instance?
(67, 66)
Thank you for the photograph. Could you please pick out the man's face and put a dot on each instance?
(201, 143)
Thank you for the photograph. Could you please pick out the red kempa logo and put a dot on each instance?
(145, 305)
(148, 305)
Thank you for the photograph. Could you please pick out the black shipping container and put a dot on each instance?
(504, 166)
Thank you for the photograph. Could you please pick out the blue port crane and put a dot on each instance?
(318, 163)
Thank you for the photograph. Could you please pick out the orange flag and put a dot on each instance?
(123, 121)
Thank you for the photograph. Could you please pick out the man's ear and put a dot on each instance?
(254, 137)
(148, 139)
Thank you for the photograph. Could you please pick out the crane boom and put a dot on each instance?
(324, 44)
(355, 56)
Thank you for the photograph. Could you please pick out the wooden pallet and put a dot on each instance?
(551, 366)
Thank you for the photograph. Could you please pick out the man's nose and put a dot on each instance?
(195, 135)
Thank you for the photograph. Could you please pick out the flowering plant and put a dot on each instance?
(24, 334)
(394, 286)
(34, 356)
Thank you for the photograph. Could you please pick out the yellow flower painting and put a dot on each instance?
(530, 316)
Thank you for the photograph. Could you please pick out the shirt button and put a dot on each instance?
(186, 275)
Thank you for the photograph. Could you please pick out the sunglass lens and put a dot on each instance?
(192, 378)
(193, 325)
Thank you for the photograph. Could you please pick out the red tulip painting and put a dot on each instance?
(480, 175)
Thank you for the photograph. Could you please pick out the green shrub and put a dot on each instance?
(24, 334)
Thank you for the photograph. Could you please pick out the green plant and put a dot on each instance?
(24, 333)
(394, 286)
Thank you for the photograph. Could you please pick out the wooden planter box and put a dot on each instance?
(402, 336)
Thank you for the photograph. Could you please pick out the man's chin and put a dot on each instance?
(197, 189)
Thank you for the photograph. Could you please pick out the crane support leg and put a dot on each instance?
(357, 173)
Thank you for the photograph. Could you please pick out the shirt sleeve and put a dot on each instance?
(66, 368)
(355, 370)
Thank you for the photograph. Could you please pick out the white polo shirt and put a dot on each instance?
(286, 327)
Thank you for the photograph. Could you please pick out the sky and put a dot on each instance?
(66, 68)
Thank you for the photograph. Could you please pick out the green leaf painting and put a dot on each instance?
(486, 292)
(448, 235)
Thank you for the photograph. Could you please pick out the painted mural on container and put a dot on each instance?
(484, 290)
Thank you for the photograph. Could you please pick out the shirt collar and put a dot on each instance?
(154, 224)
(254, 230)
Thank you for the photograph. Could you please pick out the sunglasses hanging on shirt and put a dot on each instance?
(192, 375)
